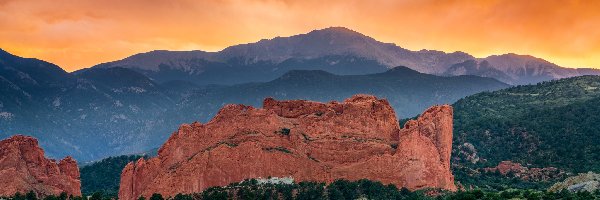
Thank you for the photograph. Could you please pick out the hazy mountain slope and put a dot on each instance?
(407, 90)
(340, 41)
(237, 70)
(32, 74)
(516, 69)
(549, 124)
(337, 50)
(28, 87)
(483, 69)
(94, 114)
(26, 81)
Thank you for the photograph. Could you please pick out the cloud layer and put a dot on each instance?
(76, 34)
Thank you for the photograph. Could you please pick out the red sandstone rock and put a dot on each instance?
(525, 173)
(338, 140)
(24, 168)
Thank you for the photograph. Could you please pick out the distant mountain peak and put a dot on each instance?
(519, 57)
(338, 30)
(340, 36)
(401, 70)
(331, 41)
(300, 51)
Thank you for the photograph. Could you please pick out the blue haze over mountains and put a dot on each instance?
(134, 104)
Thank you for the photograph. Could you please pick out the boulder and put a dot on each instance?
(582, 182)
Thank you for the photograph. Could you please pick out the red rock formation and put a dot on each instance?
(529, 174)
(306, 140)
(24, 168)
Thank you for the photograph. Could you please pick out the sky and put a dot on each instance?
(76, 34)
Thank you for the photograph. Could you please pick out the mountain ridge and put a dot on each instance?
(131, 112)
(401, 86)
(268, 56)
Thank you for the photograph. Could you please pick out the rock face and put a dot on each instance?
(305, 140)
(525, 173)
(582, 182)
(24, 168)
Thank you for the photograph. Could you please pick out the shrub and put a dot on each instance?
(285, 131)
(156, 196)
(31, 196)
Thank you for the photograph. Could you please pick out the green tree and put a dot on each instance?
(31, 196)
(96, 196)
(63, 196)
(182, 197)
(18, 196)
(310, 190)
(216, 193)
(104, 176)
(156, 196)
(50, 197)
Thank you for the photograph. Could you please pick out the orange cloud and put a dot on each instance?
(76, 34)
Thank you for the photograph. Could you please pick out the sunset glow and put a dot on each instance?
(75, 34)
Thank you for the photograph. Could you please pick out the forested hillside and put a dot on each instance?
(104, 176)
(550, 124)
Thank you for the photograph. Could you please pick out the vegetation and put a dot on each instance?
(156, 197)
(362, 189)
(282, 149)
(550, 124)
(32, 196)
(285, 131)
(518, 194)
(494, 181)
(338, 190)
(103, 177)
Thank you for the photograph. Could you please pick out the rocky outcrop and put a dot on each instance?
(304, 140)
(466, 152)
(509, 168)
(24, 168)
(582, 182)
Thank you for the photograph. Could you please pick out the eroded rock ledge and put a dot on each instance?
(309, 141)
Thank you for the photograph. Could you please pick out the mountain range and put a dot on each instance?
(408, 91)
(132, 105)
(337, 50)
(86, 115)
(99, 112)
